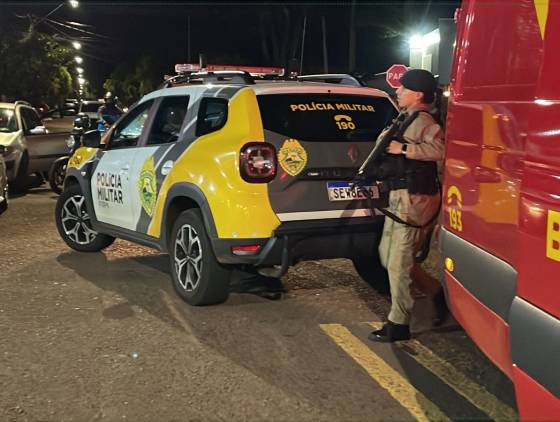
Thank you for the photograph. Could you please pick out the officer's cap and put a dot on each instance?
(419, 80)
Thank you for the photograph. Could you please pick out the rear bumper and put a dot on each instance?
(296, 241)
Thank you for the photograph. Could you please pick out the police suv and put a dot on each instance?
(222, 172)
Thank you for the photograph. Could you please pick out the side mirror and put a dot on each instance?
(38, 130)
(91, 139)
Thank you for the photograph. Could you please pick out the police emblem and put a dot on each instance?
(292, 157)
(147, 187)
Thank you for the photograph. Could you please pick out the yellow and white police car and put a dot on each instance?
(219, 172)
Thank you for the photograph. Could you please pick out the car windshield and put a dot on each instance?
(90, 107)
(7, 120)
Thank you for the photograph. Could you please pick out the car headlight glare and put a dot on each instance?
(70, 142)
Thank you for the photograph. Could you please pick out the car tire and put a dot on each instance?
(198, 278)
(57, 173)
(74, 224)
(20, 181)
(372, 272)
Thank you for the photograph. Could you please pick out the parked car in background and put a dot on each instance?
(29, 148)
(3, 182)
(43, 109)
(70, 107)
(87, 114)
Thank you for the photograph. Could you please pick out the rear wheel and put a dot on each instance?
(57, 174)
(372, 272)
(197, 276)
(74, 224)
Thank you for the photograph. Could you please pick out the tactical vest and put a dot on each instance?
(399, 172)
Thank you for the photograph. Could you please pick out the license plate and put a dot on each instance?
(341, 191)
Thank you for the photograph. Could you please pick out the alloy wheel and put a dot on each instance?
(76, 222)
(188, 257)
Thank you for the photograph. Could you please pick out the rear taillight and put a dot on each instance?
(257, 162)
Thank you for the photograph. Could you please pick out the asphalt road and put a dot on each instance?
(104, 337)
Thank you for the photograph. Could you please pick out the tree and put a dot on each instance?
(130, 83)
(34, 66)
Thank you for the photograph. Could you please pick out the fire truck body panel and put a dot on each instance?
(501, 231)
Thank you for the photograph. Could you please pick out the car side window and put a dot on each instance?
(212, 115)
(128, 132)
(30, 119)
(169, 120)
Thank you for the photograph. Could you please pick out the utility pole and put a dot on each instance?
(325, 56)
(352, 38)
(302, 45)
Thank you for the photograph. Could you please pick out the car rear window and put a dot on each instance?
(326, 117)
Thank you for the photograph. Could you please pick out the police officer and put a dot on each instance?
(414, 198)
(109, 112)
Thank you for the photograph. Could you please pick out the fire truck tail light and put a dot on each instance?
(257, 162)
(245, 250)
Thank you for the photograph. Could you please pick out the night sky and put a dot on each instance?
(228, 33)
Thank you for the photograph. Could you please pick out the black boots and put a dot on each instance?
(390, 332)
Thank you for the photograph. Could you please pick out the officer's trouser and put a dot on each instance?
(398, 246)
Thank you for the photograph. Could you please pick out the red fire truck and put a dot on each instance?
(501, 231)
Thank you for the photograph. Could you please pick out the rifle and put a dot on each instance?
(398, 125)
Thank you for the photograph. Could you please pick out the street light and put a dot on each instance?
(73, 3)
(81, 80)
(80, 70)
(76, 45)
(78, 59)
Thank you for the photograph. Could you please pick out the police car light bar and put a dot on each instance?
(252, 70)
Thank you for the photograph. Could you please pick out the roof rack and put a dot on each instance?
(333, 78)
(220, 76)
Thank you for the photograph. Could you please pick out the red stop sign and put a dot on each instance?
(394, 73)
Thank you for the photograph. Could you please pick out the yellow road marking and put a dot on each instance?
(470, 390)
(397, 386)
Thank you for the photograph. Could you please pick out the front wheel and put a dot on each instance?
(74, 224)
(197, 276)
(57, 173)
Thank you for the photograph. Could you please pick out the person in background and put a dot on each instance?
(109, 112)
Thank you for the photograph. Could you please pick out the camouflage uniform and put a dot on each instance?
(399, 242)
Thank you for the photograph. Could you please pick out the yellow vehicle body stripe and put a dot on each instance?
(541, 7)
(239, 209)
(81, 156)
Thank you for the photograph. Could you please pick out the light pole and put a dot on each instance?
(73, 3)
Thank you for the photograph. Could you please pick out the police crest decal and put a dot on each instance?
(292, 157)
(147, 186)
